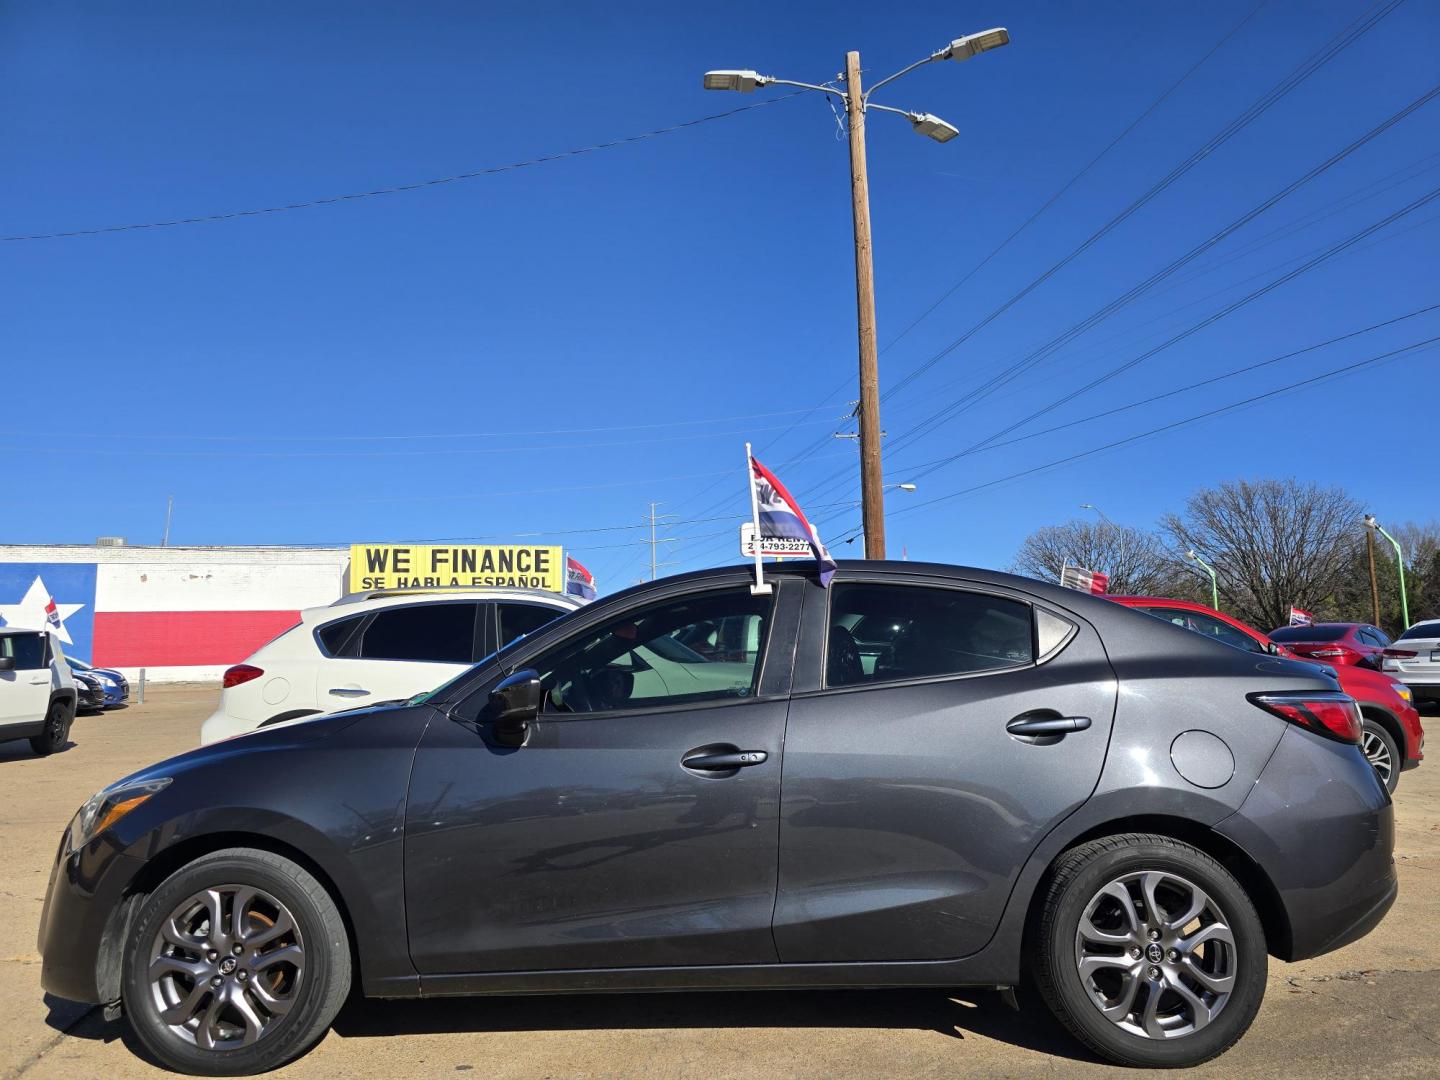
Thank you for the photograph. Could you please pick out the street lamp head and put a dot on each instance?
(1191, 555)
(1370, 520)
(964, 48)
(906, 487)
(933, 127)
(743, 81)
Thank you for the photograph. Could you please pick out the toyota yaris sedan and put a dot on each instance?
(923, 776)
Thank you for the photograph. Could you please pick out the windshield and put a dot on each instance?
(422, 698)
(1310, 633)
(76, 664)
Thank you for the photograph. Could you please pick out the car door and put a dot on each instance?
(25, 683)
(399, 652)
(603, 841)
(913, 793)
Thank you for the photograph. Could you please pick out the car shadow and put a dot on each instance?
(18, 749)
(957, 1014)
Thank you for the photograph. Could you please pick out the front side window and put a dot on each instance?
(1207, 625)
(881, 633)
(681, 652)
(436, 633)
(27, 650)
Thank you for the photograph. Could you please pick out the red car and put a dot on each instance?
(1335, 642)
(1393, 738)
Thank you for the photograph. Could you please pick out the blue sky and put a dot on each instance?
(604, 331)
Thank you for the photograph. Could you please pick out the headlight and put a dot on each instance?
(1406, 694)
(105, 808)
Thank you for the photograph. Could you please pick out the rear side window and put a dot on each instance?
(437, 633)
(517, 620)
(884, 633)
(335, 636)
(1207, 626)
(27, 650)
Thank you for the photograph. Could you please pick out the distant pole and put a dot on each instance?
(1399, 566)
(169, 510)
(1214, 588)
(654, 565)
(872, 492)
(1374, 581)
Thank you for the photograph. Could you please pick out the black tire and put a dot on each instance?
(1079, 876)
(1381, 752)
(319, 989)
(57, 729)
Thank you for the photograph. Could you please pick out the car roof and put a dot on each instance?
(373, 601)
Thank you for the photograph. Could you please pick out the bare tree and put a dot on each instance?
(1136, 560)
(1273, 543)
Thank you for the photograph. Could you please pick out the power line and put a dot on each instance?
(1342, 41)
(1339, 372)
(401, 188)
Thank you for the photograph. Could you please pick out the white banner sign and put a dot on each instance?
(771, 545)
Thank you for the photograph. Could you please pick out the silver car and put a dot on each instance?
(1414, 659)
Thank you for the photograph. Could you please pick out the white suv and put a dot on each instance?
(374, 647)
(37, 691)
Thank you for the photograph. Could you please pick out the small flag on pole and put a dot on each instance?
(1300, 617)
(777, 514)
(1090, 581)
(52, 614)
(578, 581)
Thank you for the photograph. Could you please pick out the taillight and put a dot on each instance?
(1400, 654)
(1331, 652)
(1336, 716)
(241, 673)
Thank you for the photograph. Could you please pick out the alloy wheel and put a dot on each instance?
(1156, 955)
(1378, 754)
(226, 966)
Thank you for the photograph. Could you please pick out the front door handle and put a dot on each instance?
(1046, 723)
(349, 691)
(734, 759)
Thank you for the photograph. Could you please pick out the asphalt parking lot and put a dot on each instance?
(1372, 1009)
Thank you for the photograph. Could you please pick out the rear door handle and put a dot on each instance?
(349, 691)
(1046, 723)
(735, 759)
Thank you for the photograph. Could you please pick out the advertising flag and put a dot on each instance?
(1089, 581)
(1300, 617)
(578, 581)
(778, 515)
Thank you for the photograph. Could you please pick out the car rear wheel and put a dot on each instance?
(237, 963)
(1149, 951)
(57, 730)
(1382, 753)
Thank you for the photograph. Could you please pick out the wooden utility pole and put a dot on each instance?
(1374, 583)
(872, 484)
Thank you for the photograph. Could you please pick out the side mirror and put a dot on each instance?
(1273, 648)
(514, 706)
(7, 663)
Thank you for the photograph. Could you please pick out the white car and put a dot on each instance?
(37, 690)
(1414, 659)
(374, 647)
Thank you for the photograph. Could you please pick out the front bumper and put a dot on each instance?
(1321, 825)
(82, 924)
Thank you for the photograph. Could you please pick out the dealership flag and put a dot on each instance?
(777, 514)
(1078, 577)
(578, 581)
(1300, 617)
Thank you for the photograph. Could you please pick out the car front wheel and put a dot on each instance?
(237, 964)
(1149, 951)
(1382, 753)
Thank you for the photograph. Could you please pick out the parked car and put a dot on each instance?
(89, 693)
(1393, 738)
(1414, 659)
(1130, 812)
(374, 647)
(1335, 643)
(115, 685)
(37, 691)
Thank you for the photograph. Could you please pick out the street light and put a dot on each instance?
(1092, 506)
(1214, 588)
(1399, 566)
(857, 103)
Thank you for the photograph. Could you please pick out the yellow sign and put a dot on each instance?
(467, 566)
